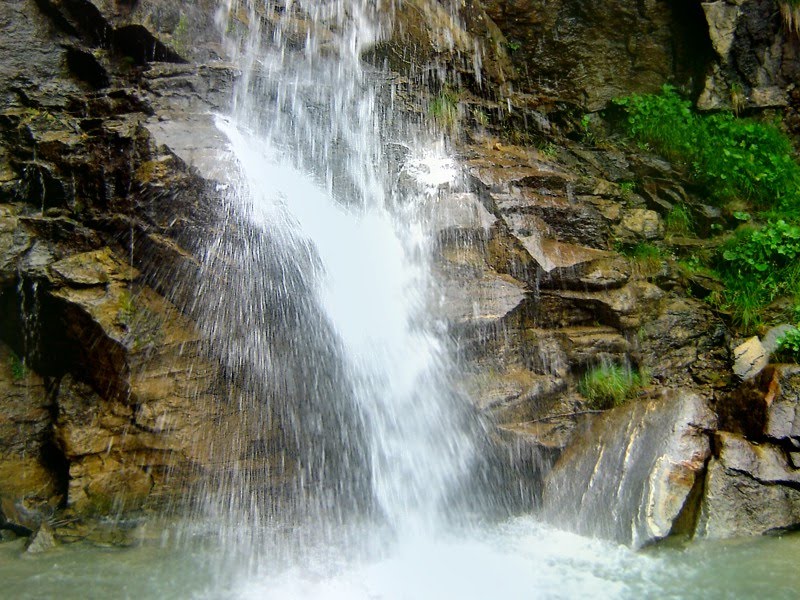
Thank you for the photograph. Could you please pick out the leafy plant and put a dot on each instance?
(789, 346)
(626, 188)
(587, 132)
(730, 157)
(610, 385)
(759, 265)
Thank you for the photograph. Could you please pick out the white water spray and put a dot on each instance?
(353, 256)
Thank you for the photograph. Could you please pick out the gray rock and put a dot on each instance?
(750, 490)
(722, 19)
(749, 359)
(641, 223)
(629, 477)
(783, 403)
(41, 541)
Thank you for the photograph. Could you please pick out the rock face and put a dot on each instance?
(757, 56)
(590, 53)
(107, 387)
(750, 490)
(632, 475)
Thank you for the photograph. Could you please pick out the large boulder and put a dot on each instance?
(750, 489)
(632, 475)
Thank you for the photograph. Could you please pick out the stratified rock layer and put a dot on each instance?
(630, 476)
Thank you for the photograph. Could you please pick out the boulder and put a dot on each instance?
(41, 541)
(750, 489)
(632, 475)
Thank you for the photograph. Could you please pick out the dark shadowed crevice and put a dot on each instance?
(693, 51)
(136, 42)
(87, 68)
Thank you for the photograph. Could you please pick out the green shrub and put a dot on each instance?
(610, 385)
(730, 157)
(757, 266)
(789, 346)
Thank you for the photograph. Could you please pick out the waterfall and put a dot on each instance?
(317, 290)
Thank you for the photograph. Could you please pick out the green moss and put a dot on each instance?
(646, 259)
(18, 369)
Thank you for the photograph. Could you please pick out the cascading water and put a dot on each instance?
(326, 322)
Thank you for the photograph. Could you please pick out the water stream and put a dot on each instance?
(331, 322)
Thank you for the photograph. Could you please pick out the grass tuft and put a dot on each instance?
(608, 385)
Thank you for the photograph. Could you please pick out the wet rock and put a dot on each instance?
(427, 35)
(682, 340)
(630, 476)
(750, 490)
(592, 54)
(41, 541)
(460, 218)
(756, 56)
(30, 488)
(640, 224)
(480, 300)
(749, 358)
(783, 403)
(722, 19)
(622, 308)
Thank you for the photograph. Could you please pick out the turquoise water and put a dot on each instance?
(516, 560)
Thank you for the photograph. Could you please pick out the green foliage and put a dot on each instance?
(610, 385)
(444, 109)
(513, 45)
(789, 346)
(18, 369)
(587, 132)
(626, 188)
(730, 157)
(646, 259)
(679, 221)
(759, 265)
(549, 150)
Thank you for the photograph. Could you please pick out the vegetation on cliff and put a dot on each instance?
(748, 168)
